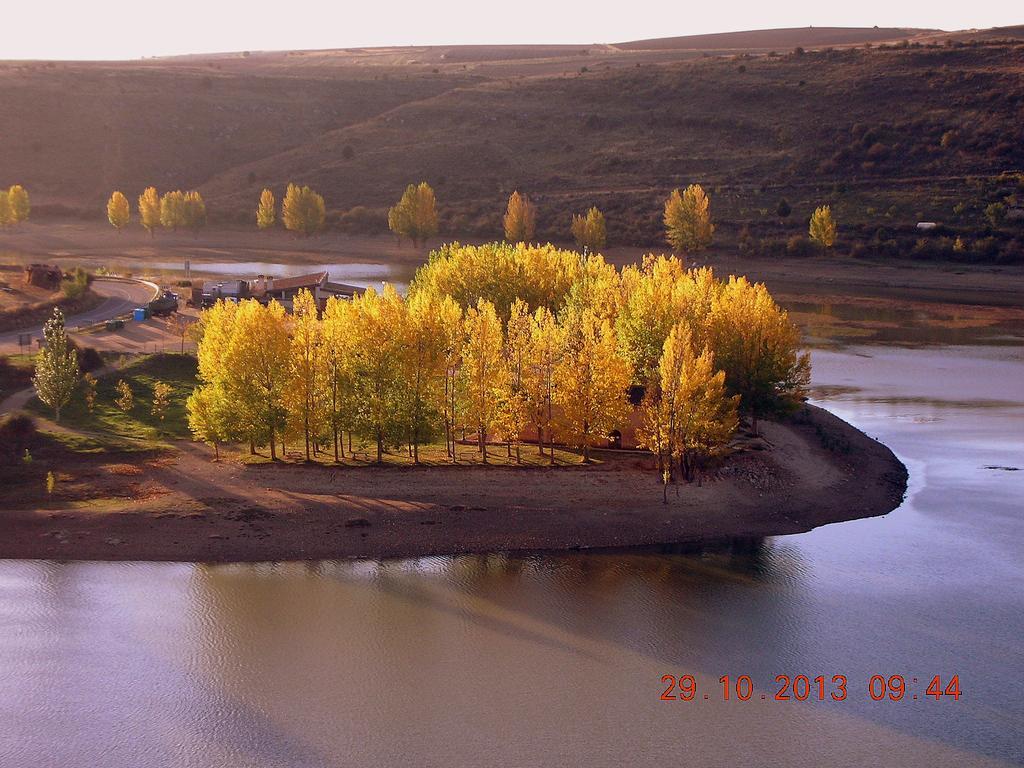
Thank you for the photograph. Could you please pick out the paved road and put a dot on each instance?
(120, 296)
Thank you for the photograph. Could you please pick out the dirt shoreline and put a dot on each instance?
(818, 470)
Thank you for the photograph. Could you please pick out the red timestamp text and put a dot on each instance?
(807, 688)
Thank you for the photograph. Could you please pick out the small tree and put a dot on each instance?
(687, 219)
(149, 209)
(56, 374)
(17, 197)
(589, 230)
(266, 211)
(996, 214)
(119, 212)
(89, 391)
(193, 211)
(207, 418)
(520, 219)
(161, 399)
(303, 210)
(415, 215)
(172, 210)
(124, 400)
(180, 325)
(782, 210)
(823, 227)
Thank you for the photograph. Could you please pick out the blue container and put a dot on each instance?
(139, 314)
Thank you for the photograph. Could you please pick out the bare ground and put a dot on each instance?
(181, 506)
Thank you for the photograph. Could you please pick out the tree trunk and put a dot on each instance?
(216, 451)
(415, 446)
(380, 447)
(335, 431)
(540, 440)
(482, 445)
(273, 445)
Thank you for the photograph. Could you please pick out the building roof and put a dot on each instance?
(300, 281)
(342, 288)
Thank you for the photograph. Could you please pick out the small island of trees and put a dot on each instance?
(503, 342)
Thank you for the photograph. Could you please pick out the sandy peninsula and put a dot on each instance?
(803, 472)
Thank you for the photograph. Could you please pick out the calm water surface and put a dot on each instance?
(557, 660)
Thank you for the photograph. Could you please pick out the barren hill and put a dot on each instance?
(902, 130)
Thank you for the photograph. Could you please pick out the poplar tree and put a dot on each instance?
(193, 211)
(338, 328)
(308, 378)
(687, 219)
(56, 369)
(17, 197)
(207, 419)
(376, 356)
(161, 399)
(266, 211)
(589, 230)
(591, 382)
(515, 414)
(303, 210)
(256, 369)
(172, 210)
(149, 209)
(543, 356)
(423, 358)
(758, 348)
(822, 227)
(520, 219)
(119, 212)
(415, 215)
(484, 370)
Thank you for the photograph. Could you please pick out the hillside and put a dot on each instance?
(889, 134)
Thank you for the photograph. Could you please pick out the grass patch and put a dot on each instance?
(108, 421)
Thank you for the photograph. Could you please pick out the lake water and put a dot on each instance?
(557, 660)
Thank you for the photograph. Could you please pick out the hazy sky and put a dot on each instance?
(85, 29)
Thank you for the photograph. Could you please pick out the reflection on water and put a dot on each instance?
(557, 659)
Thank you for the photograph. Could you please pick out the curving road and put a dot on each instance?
(119, 297)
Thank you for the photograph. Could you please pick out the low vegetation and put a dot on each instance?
(120, 403)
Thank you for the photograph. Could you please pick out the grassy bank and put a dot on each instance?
(138, 423)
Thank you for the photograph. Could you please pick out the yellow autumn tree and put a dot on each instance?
(172, 210)
(758, 347)
(376, 366)
(307, 389)
(424, 355)
(17, 197)
(149, 209)
(415, 215)
(822, 227)
(119, 212)
(591, 382)
(266, 211)
(208, 417)
(453, 342)
(256, 370)
(485, 371)
(193, 211)
(520, 219)
(589, 230)
(303, 210)
(686, 414)
(543, 356)
(687, 219)
(337, 352)
(514, 412)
